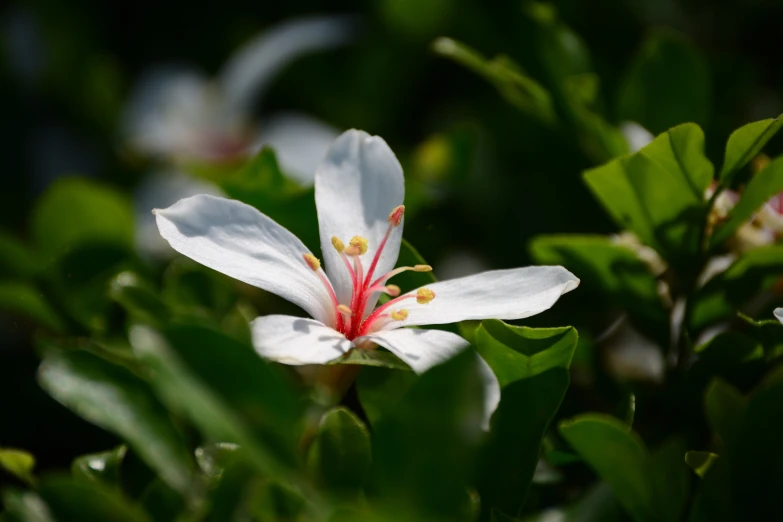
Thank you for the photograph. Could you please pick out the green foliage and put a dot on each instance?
(745, 143)
(19, 463)
(76, 212)
(667, 83)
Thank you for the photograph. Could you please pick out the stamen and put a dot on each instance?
(399, 315)
(315, 266)
(424, 295)
(345, 310)
(395, 217)
(399, 270)
(358, 246)
(393, 290)
(313, 262)
(337, 244)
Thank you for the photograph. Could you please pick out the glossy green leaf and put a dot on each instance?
(381, 389)
(19, 463)
(340, 455)
(181, 389)
(516, 87)
(668, 83)
(520, 352)
(752, 273)
(423, 450)
(657, 193)
(101, 467)
(256, 392)
(616, 454)
(745, 143)
(115, 399)
(76, 211)
(26, 300)
(700, 461)
(762, 186)
(72, 500)
(724, 406)
(532, 368)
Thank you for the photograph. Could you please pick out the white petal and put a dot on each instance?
(241, 242)
(500, 294)
(296, 341)
(356, 187)
(300, 144)
(254, 65)
(491, 387)
(159, 190)
(779, 314)
(420, 349)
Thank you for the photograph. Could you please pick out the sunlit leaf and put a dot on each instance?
(19, 463)
(745, 143)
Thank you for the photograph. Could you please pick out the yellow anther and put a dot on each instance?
(395, 217)
(312, 261)
(393, 290)
(345, 310)
(358, 246)
(424, 295)
(337, 244)
(399, 315)
(422, 268)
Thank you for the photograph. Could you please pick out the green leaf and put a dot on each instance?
(520, 352)
(162, 503)
(25, 506)
(745, 143)
(19, 463)
(76, 211)
(115, 399)
(26, 300)
(381, 389)
(532, 368)
(724, 406)
(613, 271)
(340, 455)
(256, 392)
(16, 259)
(101, 467)
(436, 422)
(753, 272)
(182, 390)
(700, 461)
(72, 500)
(517, 88)
(762, 186)
(668, 83)
(657, 193)
(138, 298)
(617, 455)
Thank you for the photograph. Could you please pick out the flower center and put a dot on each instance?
(350, 318)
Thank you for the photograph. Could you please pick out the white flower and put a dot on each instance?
(779, 314)
(359, 191)
(771, 215)
(178, 114)
(636, 136)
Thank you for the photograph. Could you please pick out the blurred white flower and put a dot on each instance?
(635, 135)
(779, 314)
(644, 253)
(177, 113)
